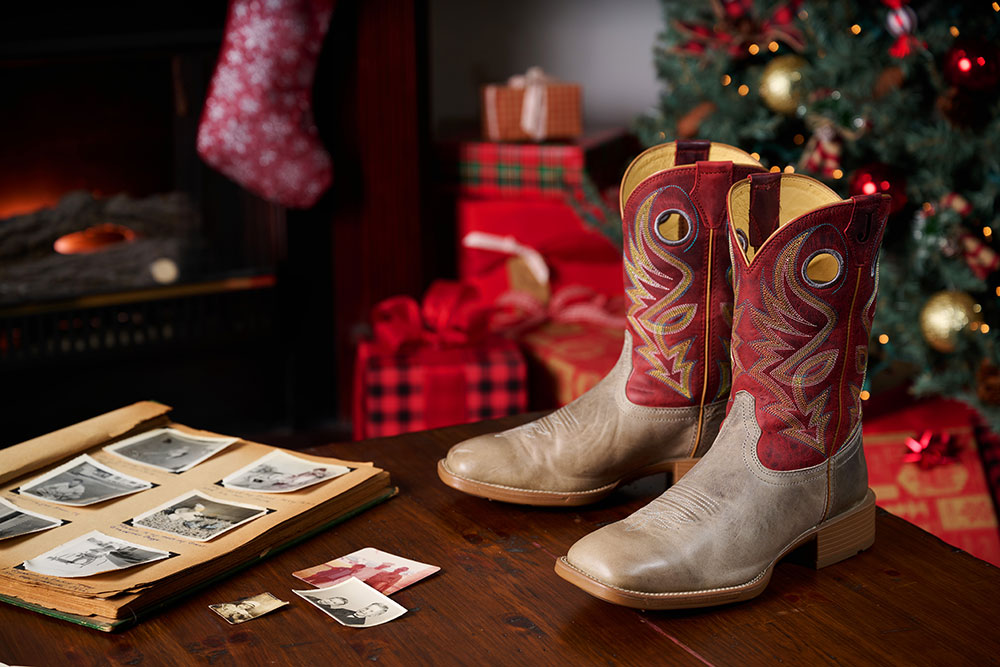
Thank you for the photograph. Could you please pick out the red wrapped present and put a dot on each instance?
(924, 466)
(548, 171)
(532, 107)
(571, 342)
(434, 364)
(493, 232)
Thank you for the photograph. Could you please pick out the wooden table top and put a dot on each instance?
(911, 599)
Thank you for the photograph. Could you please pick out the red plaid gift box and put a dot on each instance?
(434, 365)
(487, 169)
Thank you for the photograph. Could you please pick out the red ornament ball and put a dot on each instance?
(973, 65)
(880, 178)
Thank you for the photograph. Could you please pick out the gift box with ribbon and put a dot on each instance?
(571, 341)
(531, 107)
(506, 245)
(435, 364)
(924, 466)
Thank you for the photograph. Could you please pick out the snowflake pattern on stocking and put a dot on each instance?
(257, 126)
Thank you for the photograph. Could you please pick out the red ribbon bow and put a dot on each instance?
(519, 311)
(451, 314)
(932, 449)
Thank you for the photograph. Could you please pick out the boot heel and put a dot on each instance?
(680, 468)
(846, 535)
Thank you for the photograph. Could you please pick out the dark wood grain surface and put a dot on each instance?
(911, 599)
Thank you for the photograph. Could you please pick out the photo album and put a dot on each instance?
(105, 520)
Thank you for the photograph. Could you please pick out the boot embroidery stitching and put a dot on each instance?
(682, 505)
(666, 316)
(546, 426)
(787, 370)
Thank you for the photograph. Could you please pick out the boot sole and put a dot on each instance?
(510, 494)
(834, 540)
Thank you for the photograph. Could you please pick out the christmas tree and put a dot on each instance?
(899, 97)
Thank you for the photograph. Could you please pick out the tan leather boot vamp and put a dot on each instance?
(715, 536)
(581, 452)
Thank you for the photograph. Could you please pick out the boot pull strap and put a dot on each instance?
(711, 183)
(864, 231)
(689, 152)
(765, 205)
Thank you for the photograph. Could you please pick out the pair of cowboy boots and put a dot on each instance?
(750, 301)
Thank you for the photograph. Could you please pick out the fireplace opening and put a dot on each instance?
(128, 268)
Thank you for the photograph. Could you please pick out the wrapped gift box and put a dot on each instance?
(951, 499)
(554, 110)
(433, 387)
(434, 364)
(488, 169)
(573, 253)
(567, 359)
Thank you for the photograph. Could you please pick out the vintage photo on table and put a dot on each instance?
(83, 481)
(169, 449)
(15, 521)
(279, 472)
(385, 572)
(353, 603)
(195, 516)
(90, 554)
(246, 609)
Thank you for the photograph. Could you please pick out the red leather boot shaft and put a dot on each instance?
(800, 343)
(677, 289)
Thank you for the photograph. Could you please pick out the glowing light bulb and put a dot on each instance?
(864, 395)
(954, 31)
(838, 174)
(964, 64)
(868, 188)
(726, 79)
(743, 90)
(856, 29)
(753, 49)
(883, 338)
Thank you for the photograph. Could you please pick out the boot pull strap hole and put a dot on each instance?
(823, 268)
(673, 227)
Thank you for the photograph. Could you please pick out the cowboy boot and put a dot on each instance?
(787, 468)
(660, 407)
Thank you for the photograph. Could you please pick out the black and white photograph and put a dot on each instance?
(353, 603)
(197, 517)
(279, 472)
(15, 521)
(91, 554)
(83, 481)
(246, 609)
(169, 449)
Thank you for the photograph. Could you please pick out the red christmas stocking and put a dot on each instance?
(257, 126)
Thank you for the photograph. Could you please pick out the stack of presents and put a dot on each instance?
(536, 315)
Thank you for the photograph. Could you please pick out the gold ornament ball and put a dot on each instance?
(781, 83)
(944, 316)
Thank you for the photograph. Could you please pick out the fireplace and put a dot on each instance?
(128, 269)
(241, 314)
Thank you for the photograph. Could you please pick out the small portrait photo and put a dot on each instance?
(279, 472)
(383, 571)
(169, 449)
(195, 516)
(353, 603)
(83, 481)
(15, 521)
(90, 554)
(246, 609)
